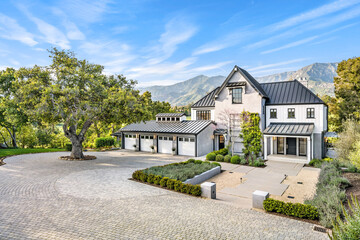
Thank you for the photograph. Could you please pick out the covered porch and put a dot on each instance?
(288, 142)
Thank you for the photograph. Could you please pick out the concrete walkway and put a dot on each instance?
(267, 179)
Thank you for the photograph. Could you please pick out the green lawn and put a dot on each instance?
(17, 151)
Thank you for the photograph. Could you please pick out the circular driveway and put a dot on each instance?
(42, 197)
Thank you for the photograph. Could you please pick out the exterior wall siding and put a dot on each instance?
(320, 122)
(205, 141)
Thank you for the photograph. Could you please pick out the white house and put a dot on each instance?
(293, 121)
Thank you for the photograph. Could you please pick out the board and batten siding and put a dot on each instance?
(251, 100)
(320, 120)
(205, 142)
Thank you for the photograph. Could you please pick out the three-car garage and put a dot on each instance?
(168, 133)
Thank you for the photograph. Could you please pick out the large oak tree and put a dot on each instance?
(76, 94)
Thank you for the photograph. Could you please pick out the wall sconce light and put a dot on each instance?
(212, 137)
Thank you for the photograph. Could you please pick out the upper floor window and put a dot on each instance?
(273, 113)
(310, 113)
(203, 115)
(237, 95)
(291, 112)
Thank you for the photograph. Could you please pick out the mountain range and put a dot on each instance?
(319, 77)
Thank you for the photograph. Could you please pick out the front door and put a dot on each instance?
(221, 142)
(291, 146)
(280, 145)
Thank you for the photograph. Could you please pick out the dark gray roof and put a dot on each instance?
(207, 101)
(302, 129)
(235, 84)
(252, 81)
(289, 92)
(170, 114)
(184, 127)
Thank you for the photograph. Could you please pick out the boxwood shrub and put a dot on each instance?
(235, 159)
(211, 156)
(219, 158)
(291, 209)
(104, 142)
(227, 158)
(157, 179)
(163, 181)
(68, 147)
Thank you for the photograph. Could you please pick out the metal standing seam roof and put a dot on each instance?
(289, 92)
(184, 127)
(170, 114)
(208, 100)
(295, 129)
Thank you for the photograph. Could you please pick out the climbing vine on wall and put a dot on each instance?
(250, 133)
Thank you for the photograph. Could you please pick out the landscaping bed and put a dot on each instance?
(354, 179)
(172, 176)
(223, 155)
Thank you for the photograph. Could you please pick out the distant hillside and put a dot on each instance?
(320, 78)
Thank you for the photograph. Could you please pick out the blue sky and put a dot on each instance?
(163, 42)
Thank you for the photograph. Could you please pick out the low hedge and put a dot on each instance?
(172, 184)
(211, 156)
(291, 209)
(223, 151)
(104, 142)
(68, 147)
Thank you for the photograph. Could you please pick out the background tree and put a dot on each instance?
(11, 118)
(76, 93)
(347, 90)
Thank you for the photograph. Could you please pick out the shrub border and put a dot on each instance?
(298, 210)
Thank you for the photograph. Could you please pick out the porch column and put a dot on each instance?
(284, 145)
(297, 146)
(265, 148)
(308, 149)
(271, 145)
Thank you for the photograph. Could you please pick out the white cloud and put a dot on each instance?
(210, 67)
(73, 32)
(314, 13)
(87, 11)
(177, 31)
(277, 64)
(50, 33)
(226, 41)
(290, 45)
(11, 30)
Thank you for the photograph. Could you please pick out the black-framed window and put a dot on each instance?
(203, 115)
(237, 95)
(291, 112)
(273, 113)
(310, 113)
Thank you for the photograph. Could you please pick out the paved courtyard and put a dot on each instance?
(42, 197)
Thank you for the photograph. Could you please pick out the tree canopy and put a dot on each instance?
(76, 93)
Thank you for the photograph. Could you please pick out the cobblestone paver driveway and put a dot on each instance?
(42, 197)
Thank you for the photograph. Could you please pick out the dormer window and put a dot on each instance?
(237, 95)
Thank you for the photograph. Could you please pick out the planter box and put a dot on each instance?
(204, 176)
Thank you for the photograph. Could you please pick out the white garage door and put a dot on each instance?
(165, 144)
(130, 140)
(186, 146)
(145, 142)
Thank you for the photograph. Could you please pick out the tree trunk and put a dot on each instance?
(14, 138)
(76, 139)
(76, 151)
(4, 140)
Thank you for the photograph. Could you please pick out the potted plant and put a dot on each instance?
(174, 151)
(134, 147)
(152, 148)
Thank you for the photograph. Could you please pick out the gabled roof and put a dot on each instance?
(207, 101)
(252, 81)
(170, 114)
(289, 92)
(294, 129)
(184, 127)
